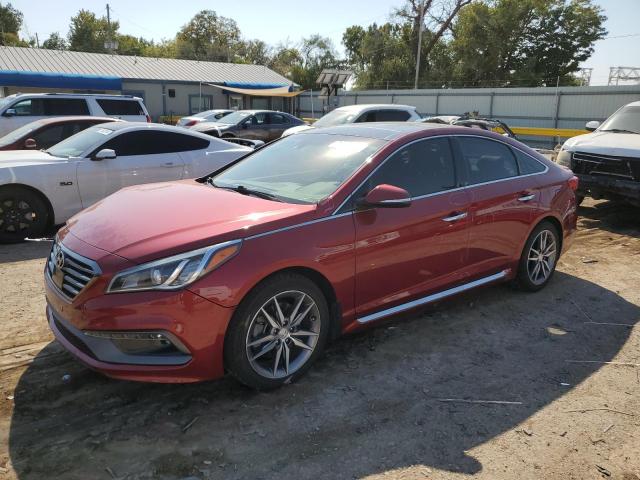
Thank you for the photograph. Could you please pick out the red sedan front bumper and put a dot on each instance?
(195, 323)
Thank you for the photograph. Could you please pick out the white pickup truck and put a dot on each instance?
(607, 160)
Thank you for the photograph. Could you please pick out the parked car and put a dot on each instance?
(22, 108)
(265, 125)
(360, 114)
(252, 269)
(45, 133)
(206, 116)
(607, 160)
(39, 189)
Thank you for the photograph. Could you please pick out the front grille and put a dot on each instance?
(70, 272)
(596, 164)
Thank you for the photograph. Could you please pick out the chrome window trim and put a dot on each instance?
(420, 197)
(433, 297)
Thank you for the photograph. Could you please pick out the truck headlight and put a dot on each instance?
(564, 158)
(173, 273)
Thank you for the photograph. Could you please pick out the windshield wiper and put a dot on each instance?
(619, 130)
(246, 191)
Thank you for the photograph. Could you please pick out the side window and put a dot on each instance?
(120, 107)
(153, 143)
(260, 119)
(278, 119)
(367, 117)
(49, 136)
(421, 168)
(392, 116)
(486, 160)
(528, 164)
(29, 107)
(65, 106)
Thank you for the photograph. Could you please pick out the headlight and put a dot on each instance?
(173, 273)
(564, 158)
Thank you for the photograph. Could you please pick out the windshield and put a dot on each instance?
(19, 133)
(627, 118)
(77, 144)
(337, 117)
(234, 118)
(302, 168)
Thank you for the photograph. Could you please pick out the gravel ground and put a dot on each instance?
(406, 400)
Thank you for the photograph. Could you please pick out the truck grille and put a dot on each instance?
(70, 272)
(595, 164)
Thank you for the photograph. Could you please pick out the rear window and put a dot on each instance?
(120, 107)
(528, 164)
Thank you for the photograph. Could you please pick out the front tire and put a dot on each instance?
(23, 214)
(539, 257)
(277, 332)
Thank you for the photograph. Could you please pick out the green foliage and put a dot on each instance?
(88, 33)
(55, 42)
(10, 23)
(524, 42)
(208, 36)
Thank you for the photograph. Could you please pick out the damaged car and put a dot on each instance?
(607, 160)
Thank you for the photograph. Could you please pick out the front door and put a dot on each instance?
(141, 157)
(404, 253)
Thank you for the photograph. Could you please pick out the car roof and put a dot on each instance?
(76, 118)
(374, 106)
(382, 130)
(61, 94)
(118, 126)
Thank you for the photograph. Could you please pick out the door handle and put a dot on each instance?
(168, 164)
(455, 217)
(527, 198)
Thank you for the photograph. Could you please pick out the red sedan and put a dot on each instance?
(252, 269)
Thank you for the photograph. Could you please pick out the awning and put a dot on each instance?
(260, 92)
(59, 80)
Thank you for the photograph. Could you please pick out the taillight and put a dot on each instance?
(148, 118)
(190, 123)
(573, 183)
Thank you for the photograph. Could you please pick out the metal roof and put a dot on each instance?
(20, 59)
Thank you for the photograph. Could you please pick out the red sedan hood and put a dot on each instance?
(151, 221)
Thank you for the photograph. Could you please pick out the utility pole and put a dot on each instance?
(37, 41)
(109, 44)
(421, 18)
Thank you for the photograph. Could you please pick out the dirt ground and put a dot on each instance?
(402, 401)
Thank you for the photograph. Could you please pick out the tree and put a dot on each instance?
(284, 59)
(524, 42)
(208, 36)
(55, 42)
(316, 54)
(130, 45)
(256, 52)
(88, 33)
(10, 24)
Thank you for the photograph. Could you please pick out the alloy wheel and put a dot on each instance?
(542, 257)
(283, 334)
(16, 215)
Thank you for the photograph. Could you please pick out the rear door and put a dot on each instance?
(405, 253)
(503, 202)
(278, 123)
(143, 156)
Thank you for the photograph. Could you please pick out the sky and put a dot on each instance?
(288, 20)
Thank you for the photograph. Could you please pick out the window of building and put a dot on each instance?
(199, 103)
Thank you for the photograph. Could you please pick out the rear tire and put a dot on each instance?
(23, 213)
(539, 257)
(269, 344)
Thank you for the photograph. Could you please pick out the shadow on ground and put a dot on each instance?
(372, 403)
(616, 217)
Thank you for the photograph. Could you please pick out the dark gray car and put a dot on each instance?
(265, 125)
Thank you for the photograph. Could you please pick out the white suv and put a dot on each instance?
(22, 108)
(361, 113)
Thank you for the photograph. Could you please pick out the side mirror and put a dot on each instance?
(104, 154)
(386, 196)
(592, 125)
(9, 112)
(30, 144)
